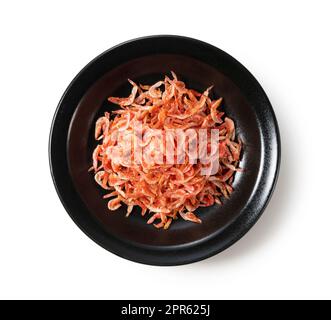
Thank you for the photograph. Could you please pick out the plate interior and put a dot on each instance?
(147, 70)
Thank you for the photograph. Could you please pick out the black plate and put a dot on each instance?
(146, 60)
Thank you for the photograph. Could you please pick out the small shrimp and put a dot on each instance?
(126, 101)
(190, 216)
(95, 157)
(159, 225)
(213, 111)
(143, 211)
(230, 128)
(129, 210)
(152, 219)
(174, 75)
(114, 204)
(226, 176)
(124, 123)
(109, 195)
(154, 92)
(102, 125)
(235, 149)
(167, 225)
(99, 179)
(218, 201)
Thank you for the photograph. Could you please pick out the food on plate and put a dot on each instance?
(168, 149)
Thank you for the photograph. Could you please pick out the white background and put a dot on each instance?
(285, 44)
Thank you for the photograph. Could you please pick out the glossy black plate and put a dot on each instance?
(146, 60)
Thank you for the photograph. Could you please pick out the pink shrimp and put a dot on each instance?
(102, 126)
(190, 216)
(176, 188)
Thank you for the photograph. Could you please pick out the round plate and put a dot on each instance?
(147, 60)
